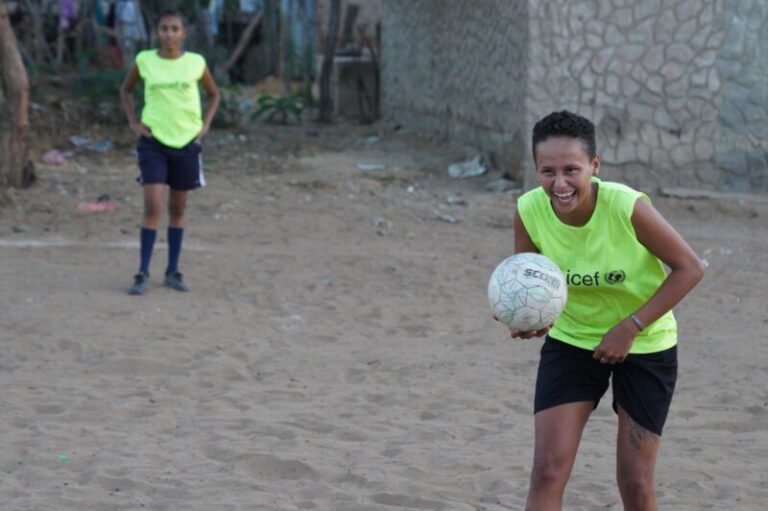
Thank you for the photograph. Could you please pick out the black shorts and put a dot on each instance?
(181, 169)
(643, 384)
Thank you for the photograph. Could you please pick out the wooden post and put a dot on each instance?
(15, 168)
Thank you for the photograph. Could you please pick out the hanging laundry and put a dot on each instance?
(67, 13)
(129, 21)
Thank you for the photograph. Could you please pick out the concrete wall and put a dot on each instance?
(452, 68)
(678, 89)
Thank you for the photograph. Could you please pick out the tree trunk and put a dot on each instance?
(15, 168)
(307, 57)
(203, 28)
(272, 30)
(41, 51)
(326, 102)
(288, 51)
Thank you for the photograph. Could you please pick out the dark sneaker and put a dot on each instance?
(140, 282)
(175, 281)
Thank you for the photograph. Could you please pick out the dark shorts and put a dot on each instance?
(642, 385)
(181, 169)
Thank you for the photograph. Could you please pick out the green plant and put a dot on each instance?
(95, 86)
(234, 109)
(279, 108)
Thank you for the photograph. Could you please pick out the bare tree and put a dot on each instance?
(288, 47)
(16, 170)
(272, 31)
(326, 102)
(307, 55)
(42, 53)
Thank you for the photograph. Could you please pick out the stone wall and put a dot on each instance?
(645, 72)
(678, 89)
(453, 69)
(741, 147)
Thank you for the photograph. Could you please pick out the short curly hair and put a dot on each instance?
(565, 124)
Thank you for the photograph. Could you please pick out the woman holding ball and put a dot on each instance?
(617, 328)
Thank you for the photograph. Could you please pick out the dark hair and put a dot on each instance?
(565, 124)
(172, 13)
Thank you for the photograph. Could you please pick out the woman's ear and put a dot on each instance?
(595, 165)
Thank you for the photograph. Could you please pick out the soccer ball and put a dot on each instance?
(527, 291)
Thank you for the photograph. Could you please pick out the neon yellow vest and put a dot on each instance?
(609, 273)
(171, 96)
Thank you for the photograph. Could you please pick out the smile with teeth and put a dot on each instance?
(565, 196)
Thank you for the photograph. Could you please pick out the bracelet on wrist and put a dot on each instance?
(639, 324)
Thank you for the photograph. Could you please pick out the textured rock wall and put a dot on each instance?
(741, 147)
(453, 69)
(645, 72)
(678, 89)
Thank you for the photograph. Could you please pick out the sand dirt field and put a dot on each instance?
(336, 352)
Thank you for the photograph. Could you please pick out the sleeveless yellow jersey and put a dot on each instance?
(609, 273)
(171, 96)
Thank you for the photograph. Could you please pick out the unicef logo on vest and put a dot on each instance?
(170, 85)
(615, 276)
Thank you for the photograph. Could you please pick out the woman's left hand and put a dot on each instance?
(615, 346)
(203, 132)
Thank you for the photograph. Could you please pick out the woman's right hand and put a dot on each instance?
(526, 334)
(140, 130)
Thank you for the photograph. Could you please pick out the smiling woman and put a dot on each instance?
(617, 327)
(565, 170)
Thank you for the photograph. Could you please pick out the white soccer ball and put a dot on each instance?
(527, 291)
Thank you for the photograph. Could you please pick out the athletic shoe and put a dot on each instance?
(175, 281)
(140, 282)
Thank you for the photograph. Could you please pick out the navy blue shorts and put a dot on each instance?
(181, 169)
(643, 384)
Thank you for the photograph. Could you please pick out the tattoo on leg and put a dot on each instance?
(638, 434)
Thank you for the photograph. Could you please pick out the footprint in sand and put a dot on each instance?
(351, 436)
(264, 467)
(404, 501)
(49, 409)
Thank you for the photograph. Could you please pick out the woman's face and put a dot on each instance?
(171, 32)
(565, 171)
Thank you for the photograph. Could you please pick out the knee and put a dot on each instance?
(637, 489)
(176, 211)
(151, 210)
(550, 472)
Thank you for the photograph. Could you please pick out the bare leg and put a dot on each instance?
(177, 203)
(558, 433)
(153, 203)
(636, 462)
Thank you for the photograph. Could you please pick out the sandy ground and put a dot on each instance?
(336, 351)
